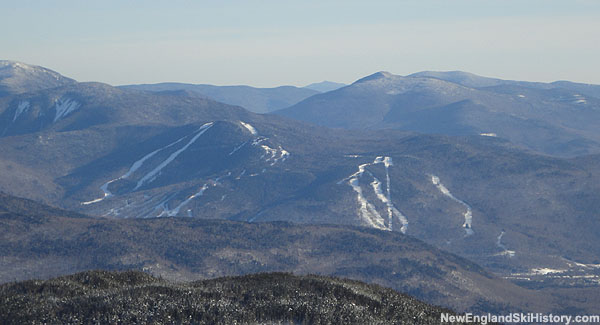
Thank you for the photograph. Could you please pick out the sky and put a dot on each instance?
(270, 43)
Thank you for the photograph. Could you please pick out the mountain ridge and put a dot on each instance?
(542, 117)
(257, 100)
(325, 86)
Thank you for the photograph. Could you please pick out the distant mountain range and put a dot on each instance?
(258, 100)
(474, 81)
(559, 118)
(325, 86)
(464, 188)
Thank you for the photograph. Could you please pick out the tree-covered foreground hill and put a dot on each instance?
(135, 297)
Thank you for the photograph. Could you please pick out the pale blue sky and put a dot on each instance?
(269, 43)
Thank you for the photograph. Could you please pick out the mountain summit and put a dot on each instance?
(375, 76)
(17, 77)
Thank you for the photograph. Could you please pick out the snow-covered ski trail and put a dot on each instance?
(173, 212)
(367, 210)
(149, 177)
(505, 251)
(138, 163)
(468, 213)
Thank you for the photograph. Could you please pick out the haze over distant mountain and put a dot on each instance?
(475, 81)
(559, 118)
(17, 77)
(325, 86)
(258, 100)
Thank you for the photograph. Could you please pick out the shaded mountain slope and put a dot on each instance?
(23, 207)
(35, 246)
(108, 297)
(84, 105)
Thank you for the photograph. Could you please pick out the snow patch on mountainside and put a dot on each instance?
(249, 127)
(579, 99)
(468, 214)
(573, 264)
(259, 140)
(65, 107)
(569, 271)
(546, 271)
(21, 108)
(274, 155)
(271, 155)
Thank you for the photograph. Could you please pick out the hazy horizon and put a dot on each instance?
(275, 43)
